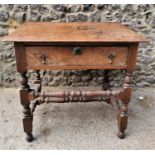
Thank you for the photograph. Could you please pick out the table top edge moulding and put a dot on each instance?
(85, 45)
(77, 32)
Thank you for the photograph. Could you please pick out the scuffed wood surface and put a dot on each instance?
(74, 32)
(61, 56)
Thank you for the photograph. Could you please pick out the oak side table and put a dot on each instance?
(50, 46)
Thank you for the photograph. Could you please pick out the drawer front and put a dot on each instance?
(46, 57)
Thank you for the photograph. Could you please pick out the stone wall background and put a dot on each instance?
(139, 17)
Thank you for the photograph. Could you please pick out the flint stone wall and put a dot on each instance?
(139, 17)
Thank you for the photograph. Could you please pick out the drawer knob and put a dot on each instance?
(111, 56)
(77, 51)
(43, 58)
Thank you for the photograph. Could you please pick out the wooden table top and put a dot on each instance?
(74, 32)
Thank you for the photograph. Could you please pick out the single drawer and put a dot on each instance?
(73, 57)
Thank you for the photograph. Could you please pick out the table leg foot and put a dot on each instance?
(121, 135)
(29, 137)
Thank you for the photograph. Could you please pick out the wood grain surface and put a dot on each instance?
(74, 32)
(49, 57)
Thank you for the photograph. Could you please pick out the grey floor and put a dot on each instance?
(78, 125)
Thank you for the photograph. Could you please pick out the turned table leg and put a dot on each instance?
(27, 115)
(106, 83)
(122, 116)
(122, 121)
(37, 80)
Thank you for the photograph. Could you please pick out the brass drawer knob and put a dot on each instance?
(77, 51)
(111, 56)
(43, 58)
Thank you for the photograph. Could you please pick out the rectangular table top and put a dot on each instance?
(74, 32)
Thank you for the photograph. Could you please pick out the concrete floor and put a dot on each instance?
(78, 125)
